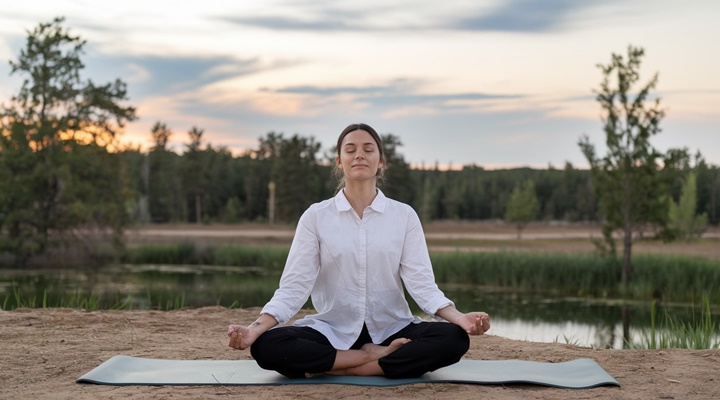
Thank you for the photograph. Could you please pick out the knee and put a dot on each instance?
(458, 341)
(263, 352)
(452, 341)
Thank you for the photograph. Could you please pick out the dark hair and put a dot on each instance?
(337, 172)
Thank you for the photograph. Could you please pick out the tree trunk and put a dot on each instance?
(627, 257)
(198, 209)
(627, 228)
(271, 202)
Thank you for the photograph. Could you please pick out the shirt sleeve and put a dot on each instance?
(300, 273)
(416, 268)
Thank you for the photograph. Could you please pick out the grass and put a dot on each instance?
(672, 277)
(670, 332)
(88, 301)
(271, 257)
(571, 340)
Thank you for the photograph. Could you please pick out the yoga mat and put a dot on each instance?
(125, 370)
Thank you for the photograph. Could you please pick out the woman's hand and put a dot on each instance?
(475, 323)
(241, 337)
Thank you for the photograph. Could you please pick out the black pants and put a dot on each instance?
(294, 351)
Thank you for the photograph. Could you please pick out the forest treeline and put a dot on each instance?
(206, 183)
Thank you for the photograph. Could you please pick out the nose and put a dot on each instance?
(359, 155)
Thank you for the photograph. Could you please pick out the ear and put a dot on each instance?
(337, 161)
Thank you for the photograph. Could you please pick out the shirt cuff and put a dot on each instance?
(272, 311)
(442, 303)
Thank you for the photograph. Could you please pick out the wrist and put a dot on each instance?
(450, 314)
(255, 326)
(262, 324)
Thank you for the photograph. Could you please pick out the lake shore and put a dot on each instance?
(440, 235)
(43, 351)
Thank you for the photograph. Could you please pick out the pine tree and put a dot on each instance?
(62, 184)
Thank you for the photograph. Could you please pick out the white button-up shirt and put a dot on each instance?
(354, 270)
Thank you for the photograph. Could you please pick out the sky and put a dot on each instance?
(497, 84)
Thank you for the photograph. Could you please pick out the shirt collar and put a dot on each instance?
(378, 204)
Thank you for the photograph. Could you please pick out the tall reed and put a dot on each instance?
(670, 277)
(88, 301)
(668, 331)
(272, 257)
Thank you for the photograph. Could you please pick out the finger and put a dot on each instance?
(231, 329)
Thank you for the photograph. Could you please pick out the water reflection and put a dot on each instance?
(580, 321)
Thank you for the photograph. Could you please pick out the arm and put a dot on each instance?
(300, 273)
(241, 337)
(416, 268)
(474, 323)
(297, 280)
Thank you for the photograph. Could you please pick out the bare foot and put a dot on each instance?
(377, 352)
(368, 368)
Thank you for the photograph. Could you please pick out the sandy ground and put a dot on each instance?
(42, 352)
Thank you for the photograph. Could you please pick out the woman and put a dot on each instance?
(352, 254)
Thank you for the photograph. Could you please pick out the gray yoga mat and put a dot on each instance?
(125, 370)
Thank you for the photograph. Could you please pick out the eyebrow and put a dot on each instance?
(364, 144)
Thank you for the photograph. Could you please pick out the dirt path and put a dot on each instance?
(441, 236)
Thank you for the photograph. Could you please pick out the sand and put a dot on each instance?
(42, 352)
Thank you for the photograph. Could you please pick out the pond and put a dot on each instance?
(537, 318)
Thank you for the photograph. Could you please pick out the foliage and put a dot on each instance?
(674, 278)
(522, 206)
(708, 190)
(294, 172)
(164, 188)
(61, 184)
(194, 175)
(88, 301)
(628, 180)
(667, 331)
(188, 253)
(684, 222)
(398, 183)
(235, 187)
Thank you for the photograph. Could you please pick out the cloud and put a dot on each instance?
(507, 16)
(324, 16)
(283, 23)
(137, 73)
(523, 16)
(399, 93)
(150, 75)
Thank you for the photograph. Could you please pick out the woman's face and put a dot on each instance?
(359, 156)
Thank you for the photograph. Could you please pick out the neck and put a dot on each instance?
(360, 195)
